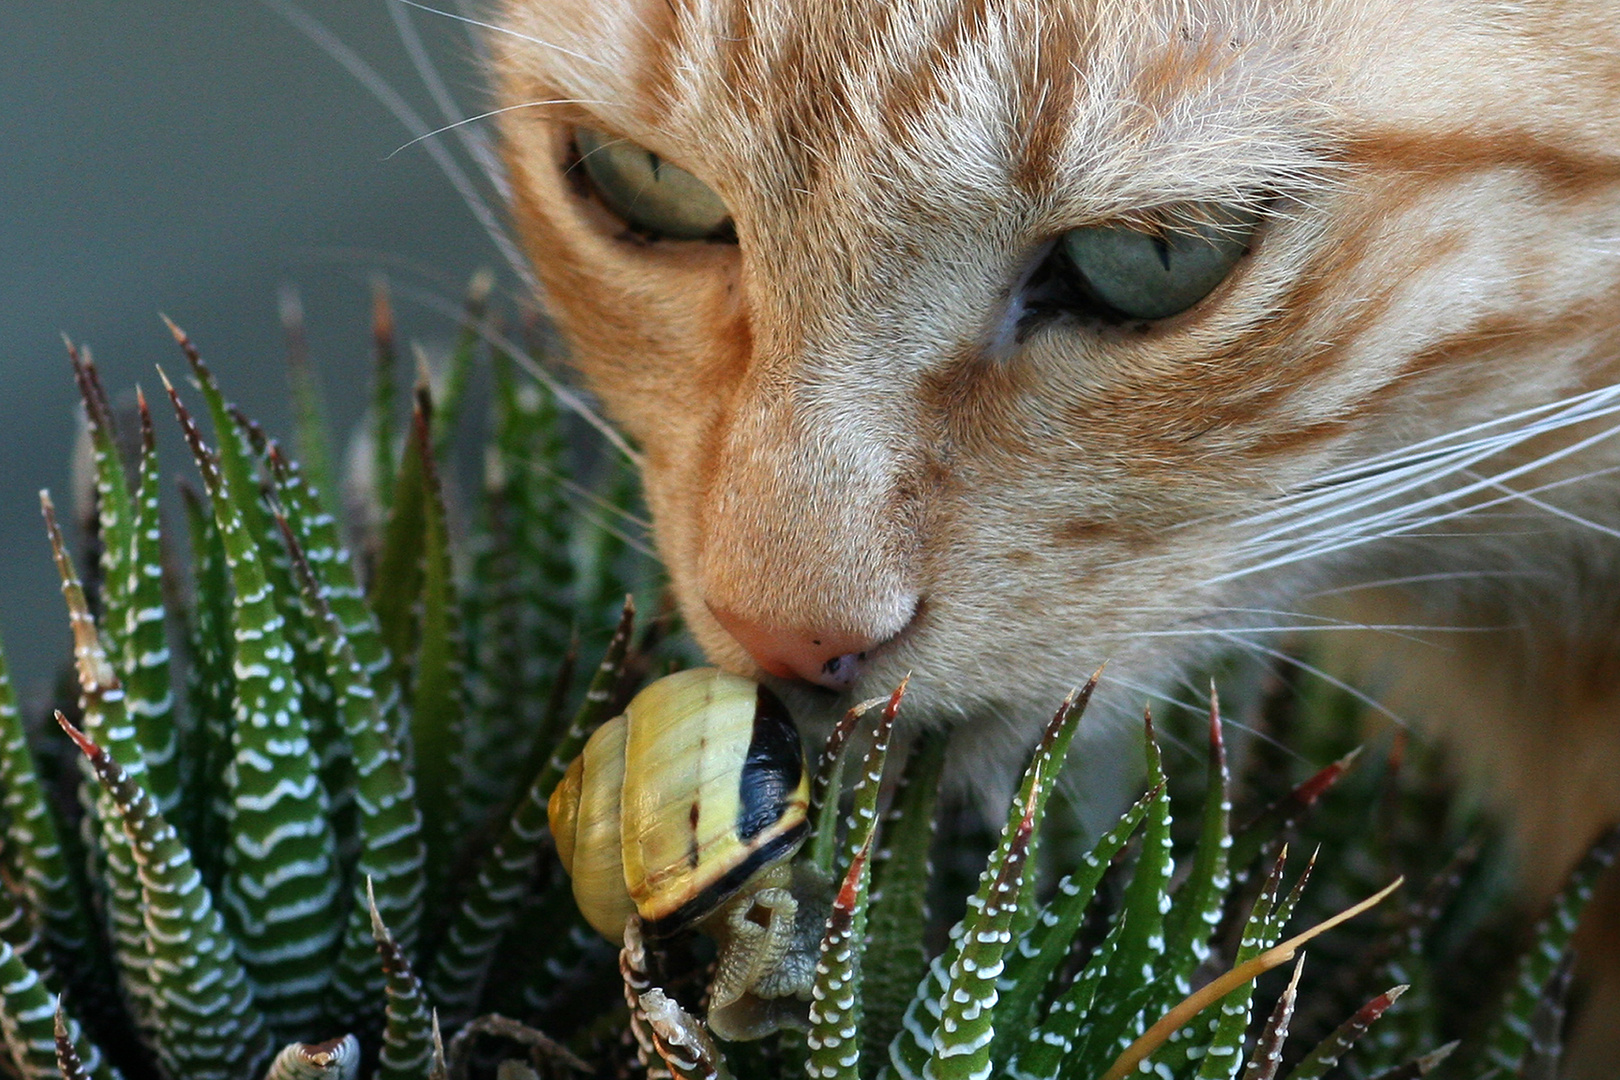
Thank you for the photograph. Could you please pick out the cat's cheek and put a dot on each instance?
(659, 330)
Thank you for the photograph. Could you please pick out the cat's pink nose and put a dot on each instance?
(829, 659)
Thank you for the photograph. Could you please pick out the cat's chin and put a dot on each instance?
(994, 722)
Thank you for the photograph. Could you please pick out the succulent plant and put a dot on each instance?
(328, 856)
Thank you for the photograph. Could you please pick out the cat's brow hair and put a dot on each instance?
(1076, 109)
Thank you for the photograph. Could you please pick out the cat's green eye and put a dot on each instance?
(1153, 273)
(652, 195)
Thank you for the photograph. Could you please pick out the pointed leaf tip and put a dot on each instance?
(379, 931)
(849, 891)
(382, 309)
(194, 438)
(183, 339)
(1240, 975)
(895, 698)
(148, 435)
(438, 1070)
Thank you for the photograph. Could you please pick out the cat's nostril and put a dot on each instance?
(826, 658)
(841, 671)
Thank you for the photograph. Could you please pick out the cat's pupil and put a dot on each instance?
(654, 197)
(1127, 272)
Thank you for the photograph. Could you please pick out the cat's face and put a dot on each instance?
(886, 415)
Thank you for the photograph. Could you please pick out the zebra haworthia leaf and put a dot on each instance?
(77, 1058)
(913, 1046)
(335, 1059)
(210, 690)
(310, 435)
(281, 882)
(208, 1025)
(390, 863)
(438, 701)
(1038, 953)
(530, 578)
(1118, 1014)
(897, 925)
(149, 694)
(837, 1007)
(490, 905)
(409, 1033)
(380, 416)
(102, 699)
(966, 1026)
(114, 507)
(28, 1022)
(1320, 1060)
(317, 532)
(1508, 1043)
(34, 851)
(683, 1043)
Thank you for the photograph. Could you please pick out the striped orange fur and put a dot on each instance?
(851, 432)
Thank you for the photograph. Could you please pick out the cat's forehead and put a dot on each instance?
(1114, 103)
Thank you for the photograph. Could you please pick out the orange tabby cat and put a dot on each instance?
(988, 339)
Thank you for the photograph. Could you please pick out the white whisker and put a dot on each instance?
(588, 494)
(1125, 716)
(1213, 611)
(1396, 629)
(565, 395)
(472, 140)
(466, 120)
(592, 515)
(1420, 579)
(1338, 684)
(1557, 511)
(1408, 516)
(1429, 461)
(1592, 404)
(390, 99)
(508, 31)
(1155, 693)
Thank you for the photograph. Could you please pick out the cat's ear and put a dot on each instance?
(652, 195)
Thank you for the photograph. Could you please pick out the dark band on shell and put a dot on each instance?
(683, 917)
(772, 769)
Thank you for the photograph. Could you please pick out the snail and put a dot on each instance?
(687, 810)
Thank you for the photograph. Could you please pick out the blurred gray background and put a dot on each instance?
(191, 159)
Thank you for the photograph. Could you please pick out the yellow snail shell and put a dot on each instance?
(678, 804)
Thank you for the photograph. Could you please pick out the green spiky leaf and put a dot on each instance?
(1509, 1040)
(280, 888)
(335, 1059)
(149, 692)
(410, 1039)
(897, 924)
(392, 852)
(837, 1009)
(208, 1025)
(491, 903)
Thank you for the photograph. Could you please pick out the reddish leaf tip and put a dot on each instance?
(80, 739)
(895, 698)
(852, 877)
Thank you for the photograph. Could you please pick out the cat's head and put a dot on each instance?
(990, 339)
